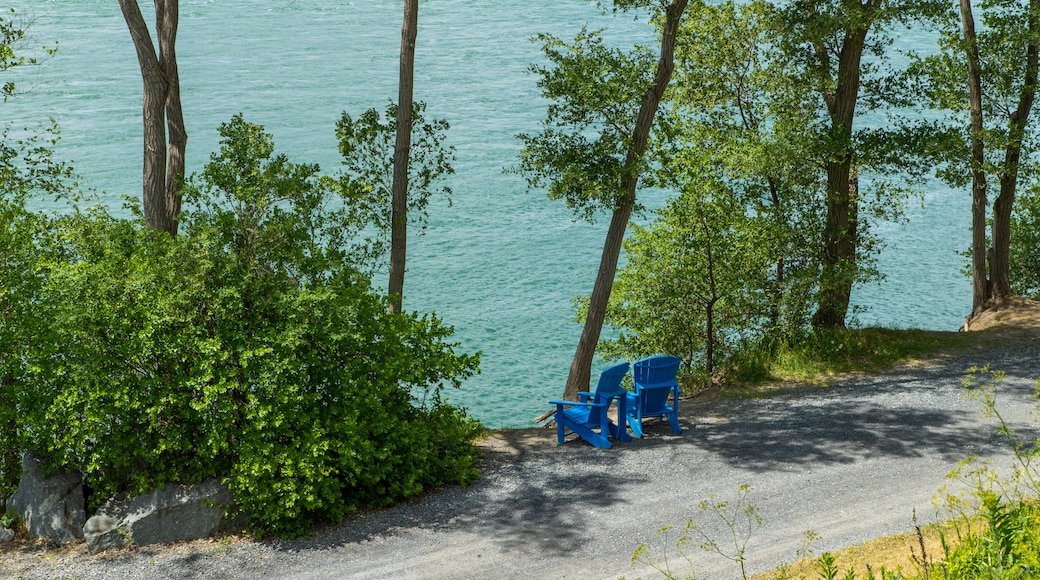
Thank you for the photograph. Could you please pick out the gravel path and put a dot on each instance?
(850, 462)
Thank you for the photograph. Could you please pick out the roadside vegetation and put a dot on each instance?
(989, 529)
(240, 336)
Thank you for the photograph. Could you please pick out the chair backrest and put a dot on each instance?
(656, 370)
(609, 384)
(655, 379)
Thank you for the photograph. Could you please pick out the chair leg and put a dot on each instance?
(673, 418)
(595, 439)
(637, 427)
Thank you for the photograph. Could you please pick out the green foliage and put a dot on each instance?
(818, 353)
(367, 145)
(693, 284)
(1002, 35)
(10, 520)
(595, 92)
(20, 283)
(248, 347)
(27, 167)
(288, 215)
(1007, 547)
(1024, 252)
(13, 48)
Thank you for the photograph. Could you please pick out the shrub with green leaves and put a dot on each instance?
(248, 347)
(20, 281)
(1008, 546)
(694, 282)
(1024, 259)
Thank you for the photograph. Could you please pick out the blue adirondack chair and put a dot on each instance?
(589, 413)
(654, 382)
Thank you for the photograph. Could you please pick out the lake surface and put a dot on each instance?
(501, 264)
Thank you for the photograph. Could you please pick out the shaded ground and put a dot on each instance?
(851, 462)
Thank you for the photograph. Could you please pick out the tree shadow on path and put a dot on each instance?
(905, 415)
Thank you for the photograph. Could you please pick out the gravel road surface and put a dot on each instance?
(850, 462)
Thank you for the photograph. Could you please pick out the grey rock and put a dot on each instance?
(52, 507)
(177, 512)
(6, 535)
(102, 532)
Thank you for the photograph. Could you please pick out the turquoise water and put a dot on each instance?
(501, 264)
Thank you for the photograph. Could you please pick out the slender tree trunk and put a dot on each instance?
(402, 149)
(10, 453)
(709, 347)
(780, 217)
(713, 298)
(979, 280)
(999, 267)
(177, 135)
(161, 181)
(840, 230)
(581, 365)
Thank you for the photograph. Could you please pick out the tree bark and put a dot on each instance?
(999, 267)
(161, 180)
(402, 149)
(581, 365)
(841, 227)
(979, 280)
(177, 135)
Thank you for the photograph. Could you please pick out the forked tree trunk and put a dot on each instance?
(161, 106)
(999, 266)
(581, 365)
(402, 149)
(177, 135)
(840, 234)
(980, 288)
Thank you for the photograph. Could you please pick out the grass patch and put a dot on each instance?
(817, 357)
(900, 553)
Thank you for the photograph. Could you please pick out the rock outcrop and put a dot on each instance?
(178, 512)
(51, 507)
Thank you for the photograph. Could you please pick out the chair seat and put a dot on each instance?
(588, 418)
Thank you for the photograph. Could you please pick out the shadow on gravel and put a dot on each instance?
(766, 439)
(531, 506)
(537, 497)
(907, 415)
(551, 514)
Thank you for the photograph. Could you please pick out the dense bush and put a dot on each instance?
(247, 347)
(1025, 239)
(692, 285)
(19, 283)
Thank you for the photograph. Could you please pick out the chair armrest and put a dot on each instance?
(576, 403)
(671, 383)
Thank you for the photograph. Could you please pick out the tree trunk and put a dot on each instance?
(777, 300)
(709, 305)
(581, 365)
(161, 182)
(178, 136)
(999, 267)
(840, 230)
(979, 281)
(402, 148)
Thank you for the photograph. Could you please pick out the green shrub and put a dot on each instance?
(1007, 547)
(22, 249)
(248, 347)
(1024, 260)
